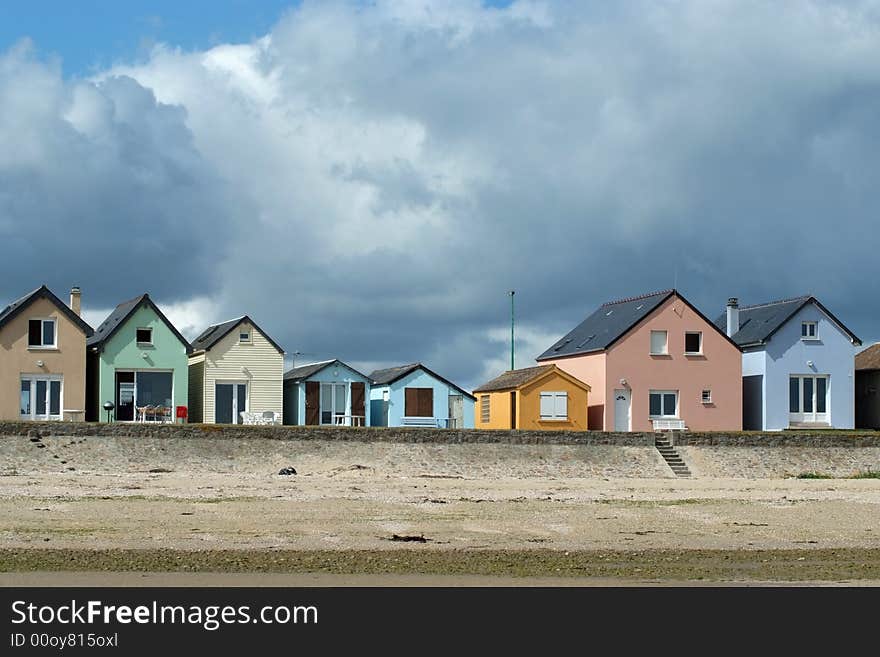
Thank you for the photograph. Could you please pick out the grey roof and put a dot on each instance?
(216, 332)
(389, 375)
(119, 316)
(606, 325)
(297, 374)
(758, 323)
(514, 378)
(17, 306)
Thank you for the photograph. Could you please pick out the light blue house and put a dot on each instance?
(329, 392)
(413, 395)
(798, 364)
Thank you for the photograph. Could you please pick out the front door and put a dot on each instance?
(622, 420)
(313, 402)
(124, 396)
(456, 411)
(230, 401)
(808, 399)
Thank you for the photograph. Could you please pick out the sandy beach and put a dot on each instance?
(102, 495)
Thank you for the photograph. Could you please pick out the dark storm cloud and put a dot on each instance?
(387, 173)
(101, 186)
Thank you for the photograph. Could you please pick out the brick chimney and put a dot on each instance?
(75, 299)
(732, 316)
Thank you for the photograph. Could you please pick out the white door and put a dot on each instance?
(41, 397)
(808, 399)
(622, 410)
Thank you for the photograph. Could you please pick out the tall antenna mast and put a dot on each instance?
(512, 292)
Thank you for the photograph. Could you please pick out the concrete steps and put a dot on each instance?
(672, 457)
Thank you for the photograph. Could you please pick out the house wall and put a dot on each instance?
(337, 373)
(833, 354)
(421, 379)
(196, 388)
(69, 360)
(529, 405)
(718, 369)
(590, 368)
(499, 409)
(265, 365)
(868, 399)
(121, 352)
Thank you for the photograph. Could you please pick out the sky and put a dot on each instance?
(369, 180)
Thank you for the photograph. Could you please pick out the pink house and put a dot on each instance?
(654, 361)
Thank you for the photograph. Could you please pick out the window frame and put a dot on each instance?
(664, 416)
(485, 408)
(706, 398)
(699, 351)
(137, 337)
(555, 395)
(805, 326)
(43, 321)
(249, 339)
(665, 351)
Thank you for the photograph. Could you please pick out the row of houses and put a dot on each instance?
(636, 364)
(137, 367)
(655, 361)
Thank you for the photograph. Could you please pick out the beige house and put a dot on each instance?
(43, 358)
(236, 374)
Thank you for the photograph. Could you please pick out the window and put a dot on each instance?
(809, 331)
(244, 336)
(144, 336)
(706, 397)
(663, 403)
(484, 409)
(693, 342)
(41, 333)
(658, 343)
(554, 406)
(418, 402)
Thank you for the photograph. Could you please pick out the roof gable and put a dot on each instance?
(513, 379)
(758, 323)
(122, 313)
(21, 304)
(391, 375)
(216, 332)
(516, 379)
(302, 372)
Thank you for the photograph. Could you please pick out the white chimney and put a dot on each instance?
(75, 299)
(732, 316)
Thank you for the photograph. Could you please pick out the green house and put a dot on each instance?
(137, 360)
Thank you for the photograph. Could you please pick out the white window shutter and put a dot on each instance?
(546, 404)
(561, 405)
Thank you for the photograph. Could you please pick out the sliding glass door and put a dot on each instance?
(230, 401)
